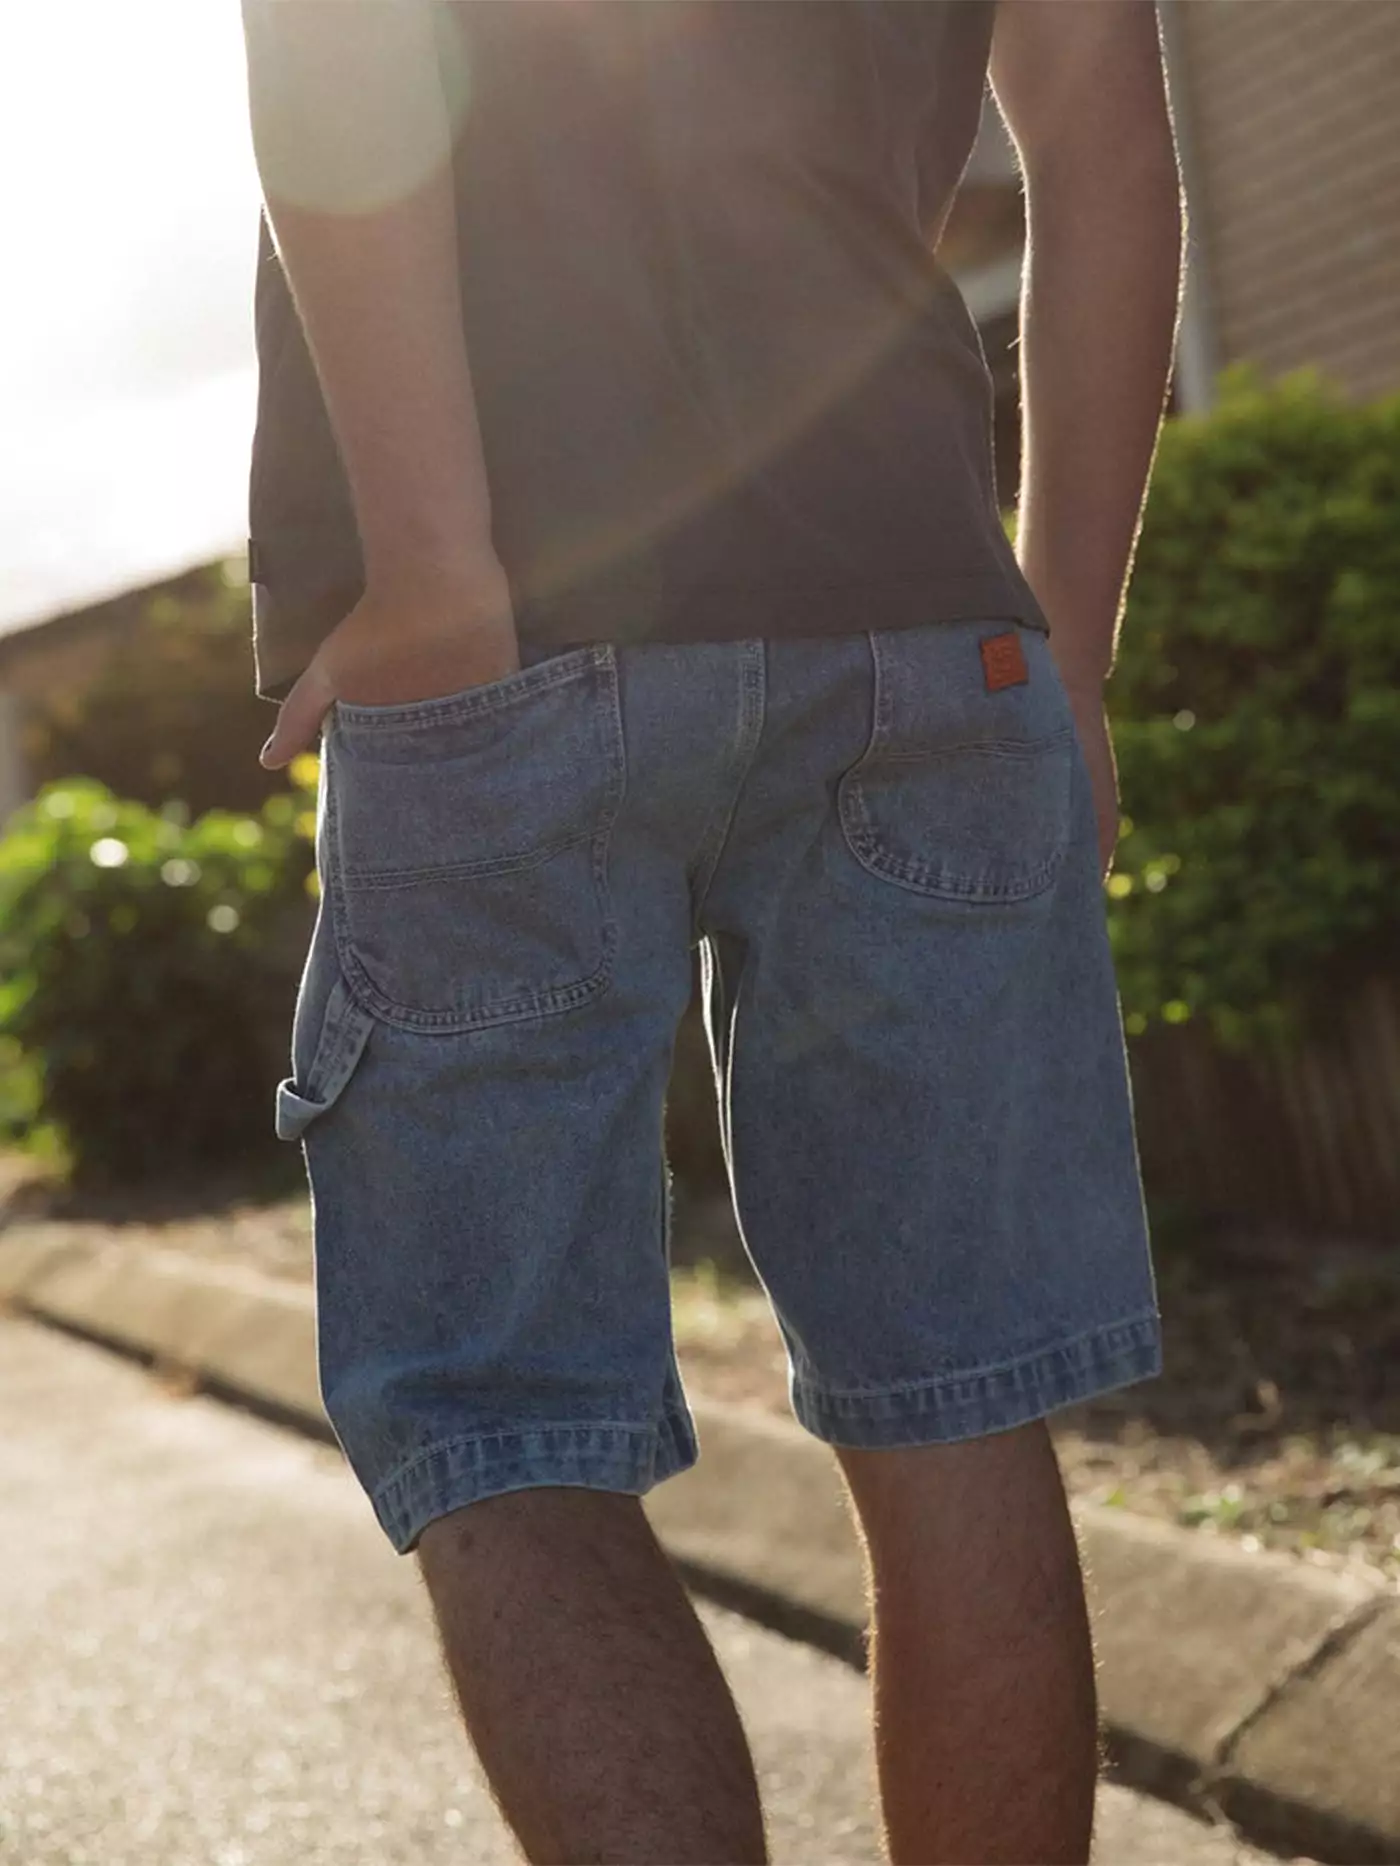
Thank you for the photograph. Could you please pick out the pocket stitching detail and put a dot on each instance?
(489, 697)
(544, 1002)
(919, 878)
(368, 880)
(916, 875)
(346, 1027)
(986, 748)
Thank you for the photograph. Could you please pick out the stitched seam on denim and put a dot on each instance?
(1039, 1387)
(850, 800)
(919, 877)
(532, 1004)
(345, 1034)
(545, 1003)
(753, 713)
(615, 798)
(548, 1003)
(387, 879)
(933, 884)
(612, 683)
(986, 1409)
(1013, 749)
(953, 1416)
(450, 709)
(518, 1435)
(1140, 1327)
(325, 1059)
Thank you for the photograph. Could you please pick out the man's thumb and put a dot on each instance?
(298, 720)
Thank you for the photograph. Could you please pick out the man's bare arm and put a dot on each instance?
(1081, 85)
(353, 141)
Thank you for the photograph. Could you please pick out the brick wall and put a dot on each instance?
(1296, 191)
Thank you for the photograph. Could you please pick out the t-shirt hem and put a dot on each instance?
(288, 627)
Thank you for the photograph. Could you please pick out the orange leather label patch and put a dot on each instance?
(1004, 662)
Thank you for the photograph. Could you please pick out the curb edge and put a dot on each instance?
(1183, 1627)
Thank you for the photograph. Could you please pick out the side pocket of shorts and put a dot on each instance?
(339, 1042)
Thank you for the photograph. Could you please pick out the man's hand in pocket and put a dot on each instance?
(417, 636)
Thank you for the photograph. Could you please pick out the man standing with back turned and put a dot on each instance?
(624, 524)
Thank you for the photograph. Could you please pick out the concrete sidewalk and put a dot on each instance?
(211, 1657)
(1241, 1683)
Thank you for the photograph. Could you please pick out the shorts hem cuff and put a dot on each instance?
(630, 1459)
(995, 1399)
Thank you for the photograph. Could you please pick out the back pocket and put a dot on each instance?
(467, 844)
(962, 793)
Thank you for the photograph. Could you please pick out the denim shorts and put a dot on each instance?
(884, 846)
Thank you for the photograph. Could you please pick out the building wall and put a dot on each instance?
(36, 666)
(14, 774)
(1296, 187)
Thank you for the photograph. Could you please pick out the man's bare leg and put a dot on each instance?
(588, 1685)
(985, 1715)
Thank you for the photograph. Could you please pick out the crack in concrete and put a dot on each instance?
(1212, 1785)
(1341, 1634)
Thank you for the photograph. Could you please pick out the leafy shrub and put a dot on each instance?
(1256, 710)
(147, 971)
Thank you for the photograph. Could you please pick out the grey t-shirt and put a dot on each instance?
(724, 388)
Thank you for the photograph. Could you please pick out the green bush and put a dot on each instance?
(1256, 710)
(147, 969)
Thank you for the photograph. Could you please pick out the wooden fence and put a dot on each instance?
(1311, 1139)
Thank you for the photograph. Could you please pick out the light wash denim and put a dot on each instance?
(890, 866)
